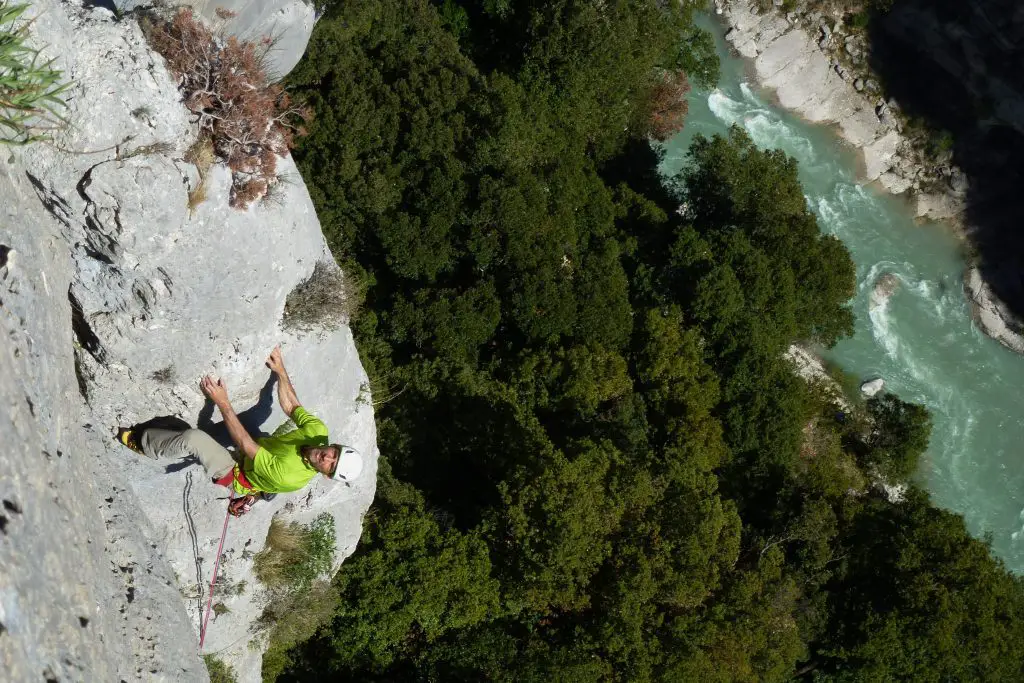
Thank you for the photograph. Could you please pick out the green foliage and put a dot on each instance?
(295, 556)
(294, 618)
(30, 89)
(860, 20)
(775, 243)
(597, 463)
(414, 582)
(218, 670)
(933, 141)
(292, 567)
(898, 437)
(577, 505)
(920, 600)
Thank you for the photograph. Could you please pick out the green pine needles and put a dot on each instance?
(30, 89)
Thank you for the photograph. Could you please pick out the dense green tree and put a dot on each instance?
(918, 599)
(899, 435)
(732, 186)
(554, 530)
(596, 462)
(394, 586)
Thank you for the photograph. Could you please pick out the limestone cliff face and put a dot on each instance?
(115, 299)
(288, 23)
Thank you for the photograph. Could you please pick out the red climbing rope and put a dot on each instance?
(216, 566)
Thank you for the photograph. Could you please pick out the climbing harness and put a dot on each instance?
(236, 481)
(216, 567)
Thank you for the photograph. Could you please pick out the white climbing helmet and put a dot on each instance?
(350, 464)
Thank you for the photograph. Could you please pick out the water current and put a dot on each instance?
(921, 340)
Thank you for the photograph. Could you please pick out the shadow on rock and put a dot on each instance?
(956, 65)
(252, 418)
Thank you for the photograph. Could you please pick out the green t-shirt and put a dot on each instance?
(278, 467)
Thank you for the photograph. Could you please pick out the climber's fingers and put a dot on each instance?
(216, 390)
(274, 361)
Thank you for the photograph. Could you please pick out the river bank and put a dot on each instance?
(817, 68)
(913, 324)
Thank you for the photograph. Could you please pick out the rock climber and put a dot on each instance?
(283, 462)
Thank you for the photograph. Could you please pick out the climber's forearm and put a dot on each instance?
(246, 444)
(286, 393)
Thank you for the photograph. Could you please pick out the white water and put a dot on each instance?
(920, 340)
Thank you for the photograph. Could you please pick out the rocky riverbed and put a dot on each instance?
(819, 68)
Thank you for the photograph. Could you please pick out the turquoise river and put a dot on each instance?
(922, 340)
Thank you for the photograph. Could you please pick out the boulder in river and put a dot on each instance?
(872, 387)
(885, 286)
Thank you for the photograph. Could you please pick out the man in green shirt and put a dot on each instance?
(280, 463)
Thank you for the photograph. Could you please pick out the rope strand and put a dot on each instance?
(216, 566)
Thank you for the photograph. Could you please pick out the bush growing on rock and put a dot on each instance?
(292, 567)
(898, 437)
(218, 670)
(324, 300)
(293, 620)
(295, 555)
(224, 81)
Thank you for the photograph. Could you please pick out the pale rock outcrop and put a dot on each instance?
(791, 59)
(885, 286)
(812, 370)
(115, 300)
(872, 387)
(992, 315)
(288, 23)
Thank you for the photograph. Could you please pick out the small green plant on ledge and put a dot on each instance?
(295, 555)
(30, 90)
(219, 671)
(293, 567)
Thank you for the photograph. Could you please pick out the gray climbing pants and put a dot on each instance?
(167, 443)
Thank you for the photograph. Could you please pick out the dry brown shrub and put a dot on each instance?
(668, 105)
(202, 155)
(283, 549)
(224, 82)
(328, 299)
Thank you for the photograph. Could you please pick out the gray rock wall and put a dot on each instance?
(287, 22)
(84, 596)
(115, 299)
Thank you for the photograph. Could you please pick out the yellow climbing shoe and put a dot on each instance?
(127, 438)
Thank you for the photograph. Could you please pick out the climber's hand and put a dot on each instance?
(215, 390)
(275, 362)
(239, 506)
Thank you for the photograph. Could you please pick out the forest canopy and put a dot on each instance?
(597, 463)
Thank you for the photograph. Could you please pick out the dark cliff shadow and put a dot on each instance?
(957, 65)
(252, 418)
(105, 4)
